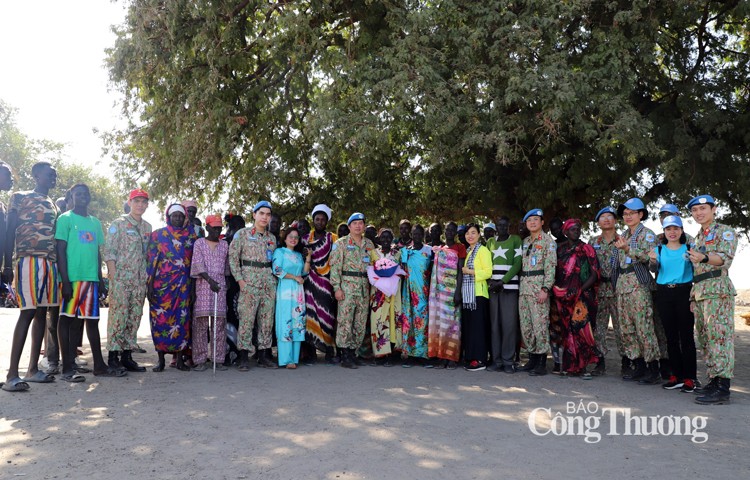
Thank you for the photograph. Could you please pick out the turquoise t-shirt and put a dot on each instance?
(673, 267)
(84, 236)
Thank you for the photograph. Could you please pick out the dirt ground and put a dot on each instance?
(326, 422)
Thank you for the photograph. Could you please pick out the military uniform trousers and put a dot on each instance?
(534, 323)
(256, 305)
(637, 324)
(125, 312)
(353, 313)
(608, 310)
(714, 327)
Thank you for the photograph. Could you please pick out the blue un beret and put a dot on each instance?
(669, 208)
(672, 221)
(700, 200)
(603, 211)
(355, 216)
(262, 204)
(633, 204)
(534, 211)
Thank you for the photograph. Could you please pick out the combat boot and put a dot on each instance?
(652, 376)
(129, 364)
(529, 366)
(718, 396)
(113, 360)
(625, 366)
(638, 371)
(264, 359)
(541, 366)
(600, 368)
(347, 358)
(707, 388)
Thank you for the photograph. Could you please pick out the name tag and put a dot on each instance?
(597, 246)
(269, 255)
(350, 247)
(533, 261)
(131, 232)
(252, 238)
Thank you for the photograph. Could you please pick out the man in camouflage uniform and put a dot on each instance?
(537, 278)
(634, 298)
(125, 256)
(250, 256)
(350, 257)
(712, 298)
(608, 256)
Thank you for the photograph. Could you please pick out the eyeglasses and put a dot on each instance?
(293, 237)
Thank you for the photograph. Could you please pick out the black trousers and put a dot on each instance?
(674, 310)
(474, 325)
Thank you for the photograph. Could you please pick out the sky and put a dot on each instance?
(52, 71)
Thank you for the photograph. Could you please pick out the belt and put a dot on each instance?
(706, 276)
(673, 285)
(628, 269)
(606, 279)
(349, 273)
(253, 263)
(532, 273)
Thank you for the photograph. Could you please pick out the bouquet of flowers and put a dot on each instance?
(385, 267)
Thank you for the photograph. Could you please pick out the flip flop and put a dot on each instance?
(110, 372)
(15, 385)
(40, 377)
(73, 378)
(82, 369)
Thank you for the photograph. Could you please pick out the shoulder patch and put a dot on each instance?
(553, 246)
(113, 229)
(650, 237)
(728, 235)
(334, 247)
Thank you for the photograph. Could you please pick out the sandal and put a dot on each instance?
(110, 372)
(80, 369)
(40, 377)
(73, 378)
(15, 385)
(291, 366)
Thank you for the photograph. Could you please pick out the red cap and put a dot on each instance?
(138, 192)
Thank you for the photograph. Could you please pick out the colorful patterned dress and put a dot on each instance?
(576, 262)
(383, 312)
(319, 300)
(415, 292)
(290, 305)
(444, 334)
(170, 252)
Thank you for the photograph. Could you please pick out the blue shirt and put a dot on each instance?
(673, 268)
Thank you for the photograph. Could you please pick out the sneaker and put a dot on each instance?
(475, 366)
(509, 368)
(408, 363)
(688, 386)
(451, 365)
(672, 384)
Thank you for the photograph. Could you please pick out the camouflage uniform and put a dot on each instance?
(349, 263)
(126, 245)
(250, 256)
(537, 271)
(714, 300)
(634, 299)
(608, 257)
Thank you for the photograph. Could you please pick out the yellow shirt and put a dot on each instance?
(482, 269)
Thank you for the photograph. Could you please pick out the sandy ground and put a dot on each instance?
(375, 422)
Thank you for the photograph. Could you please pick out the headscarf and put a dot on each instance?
(214, 221)
(175, 207)
(570, 223)
(189, 203)
(321, 207)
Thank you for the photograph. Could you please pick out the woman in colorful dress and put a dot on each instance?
(415, 291)
(291, 268)
(384, 308)
(209, 268)
(476, 299)
(574, 294)
(170, 287)
(444, 334)
(319, 301)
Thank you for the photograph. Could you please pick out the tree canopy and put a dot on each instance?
(443, 109)
(21, 153)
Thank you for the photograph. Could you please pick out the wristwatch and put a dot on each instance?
(705, 258)
(545, 289)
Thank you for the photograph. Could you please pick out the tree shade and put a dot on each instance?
(442, 109)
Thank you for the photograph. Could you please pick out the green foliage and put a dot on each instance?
(21, 152)
(440, 109)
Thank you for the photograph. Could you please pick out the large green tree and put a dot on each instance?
(442, 109)
(21, 152)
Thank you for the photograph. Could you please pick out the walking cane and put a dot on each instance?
(213, 328)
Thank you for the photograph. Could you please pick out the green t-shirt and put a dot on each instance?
(84, 236)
